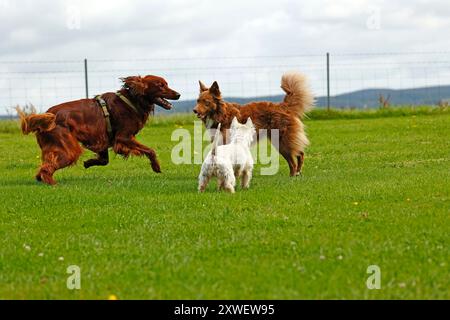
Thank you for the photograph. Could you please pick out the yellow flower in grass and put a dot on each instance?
(112, 297)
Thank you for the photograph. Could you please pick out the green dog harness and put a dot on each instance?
(128, 103)
(106, 115)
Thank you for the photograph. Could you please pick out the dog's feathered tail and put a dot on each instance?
(36, 123)
(299, 97)
(215, 141)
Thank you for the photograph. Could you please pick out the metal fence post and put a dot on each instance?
(328, 81)
(86, 83)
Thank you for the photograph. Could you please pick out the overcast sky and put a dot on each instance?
(46, 29)
(101, 29)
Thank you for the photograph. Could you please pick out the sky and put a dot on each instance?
(185, 39)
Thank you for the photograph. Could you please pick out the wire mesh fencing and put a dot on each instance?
(356, 80)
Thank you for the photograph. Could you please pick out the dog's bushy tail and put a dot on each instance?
(215, 141)
(299, 97)
(36, 123)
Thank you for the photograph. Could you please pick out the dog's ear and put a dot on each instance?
(251, 126)
(234, 123)
(136, 84)
(214, 90)
(202, 86)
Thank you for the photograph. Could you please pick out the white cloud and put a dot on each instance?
(174, 27)
(38, 30)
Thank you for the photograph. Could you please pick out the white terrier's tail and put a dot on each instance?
(299, 97)
(215, 141)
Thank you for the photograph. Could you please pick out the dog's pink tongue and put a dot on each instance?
(163, 103)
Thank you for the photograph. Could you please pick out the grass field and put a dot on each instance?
(374, 192)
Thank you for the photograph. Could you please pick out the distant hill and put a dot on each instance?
(367, 98)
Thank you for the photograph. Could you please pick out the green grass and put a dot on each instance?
(374, 191)
(398, 111)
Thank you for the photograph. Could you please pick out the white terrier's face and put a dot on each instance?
(245, 131)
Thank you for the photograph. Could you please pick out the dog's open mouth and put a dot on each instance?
(163, 103)
(200, 116)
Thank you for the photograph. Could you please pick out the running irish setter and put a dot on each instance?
(110, 120)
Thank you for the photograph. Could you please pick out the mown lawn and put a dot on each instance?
(374, 192)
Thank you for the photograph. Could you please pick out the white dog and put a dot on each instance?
(229, 161)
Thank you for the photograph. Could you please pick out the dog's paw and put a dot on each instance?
(156, 168)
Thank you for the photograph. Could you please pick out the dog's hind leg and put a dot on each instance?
(228, 187)
(54, 161)
(300, 162)
(291, 160)
(45, 173)
(203, 181)
(285, 149)
(246, 177)
(60, 149)
(101, 160)
(220, 184)
(229, 180)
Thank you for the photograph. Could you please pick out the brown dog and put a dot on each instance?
(285, 116)
(62, 127)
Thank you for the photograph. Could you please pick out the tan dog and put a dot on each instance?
(285, 116)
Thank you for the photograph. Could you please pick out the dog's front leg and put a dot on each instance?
(126, 146)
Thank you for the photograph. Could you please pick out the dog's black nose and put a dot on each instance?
(195, 111)
(178, 96)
